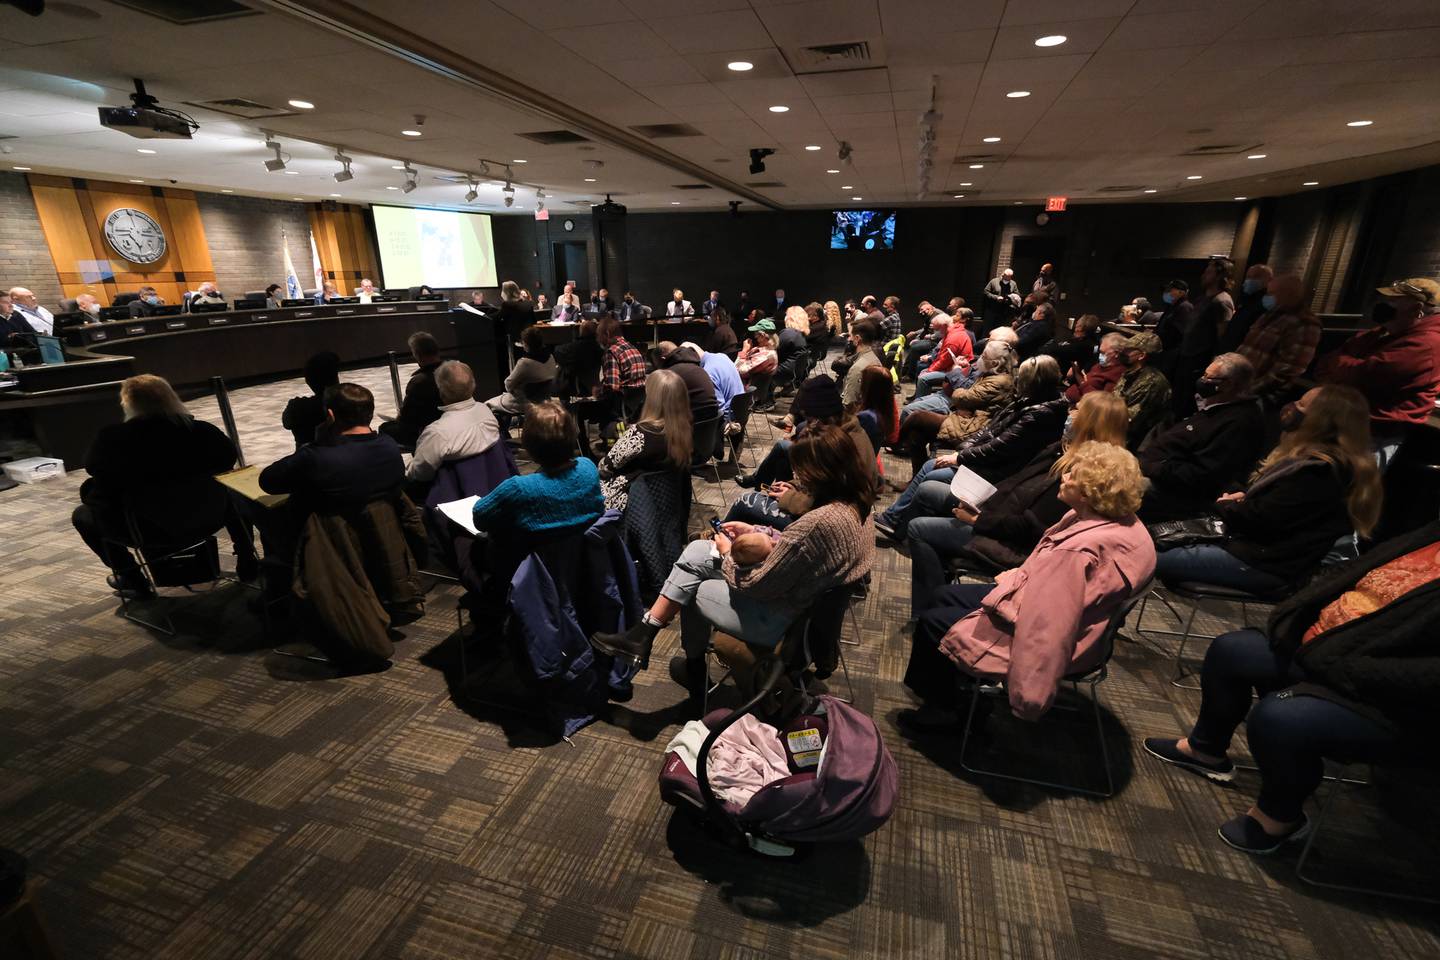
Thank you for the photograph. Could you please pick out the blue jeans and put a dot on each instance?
(1290, 735)
(931, 674)
(708, 603)
(919, 347)
(759, 508)
(900, 512)
(1212, 563)
(927, 384)
(933, 540)
(934, 403)
(959, 379)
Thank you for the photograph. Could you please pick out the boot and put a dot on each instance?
(694, 676)
(633, 645)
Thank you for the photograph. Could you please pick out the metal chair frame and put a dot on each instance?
(137, 544)
(1186, 633)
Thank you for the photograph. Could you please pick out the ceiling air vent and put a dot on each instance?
(240, 107)
(189, 11)
(553, 137)
(1122, 188)
(658, 131)
(1220, 149)
(690, 186)
(979, 158)
(765, 184)
(833, 57)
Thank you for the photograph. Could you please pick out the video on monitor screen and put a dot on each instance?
(862, 230)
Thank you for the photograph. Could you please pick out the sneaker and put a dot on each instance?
(1245, 833)
(783, 423)
(749, 481)
(1169, 751)
(886, 529)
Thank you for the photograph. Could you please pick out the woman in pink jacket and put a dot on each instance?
(1045, 618)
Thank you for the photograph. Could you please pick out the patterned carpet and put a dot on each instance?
(185, 798)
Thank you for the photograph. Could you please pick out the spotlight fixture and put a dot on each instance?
(509, 193)
(843, 152)
(757, 159)
(471, 193)
(734, 208)
(278, 161)
(411, 176)
(343, 173)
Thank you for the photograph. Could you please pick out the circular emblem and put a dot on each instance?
(135, 235)
(569, 225)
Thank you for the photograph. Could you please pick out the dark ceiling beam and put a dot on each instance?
(350, 21)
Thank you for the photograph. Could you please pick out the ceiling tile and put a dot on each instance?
(709, 32)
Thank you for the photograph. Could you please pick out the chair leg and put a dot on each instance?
(1180, 673)
(1100, 735)
(1109, 790)
(1310, 878)
(854, 624)
(849, 684)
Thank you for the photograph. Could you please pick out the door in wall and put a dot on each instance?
(1028, 253)
(571, 264)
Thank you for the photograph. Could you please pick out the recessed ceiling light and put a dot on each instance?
(857, 198)
(832, 171)
(977, 166)
(392, 188)
(674, 203)
(1053, 40)
(1257, 156)
(334, 194)
(847, 187)
(1242, 198)
(991, 140)
(589, 179)
(302, 104)
(299, 199)
(740, 66)
(1311, 183)
(143, 150)
(812, 146)
(959, 196)
(1017, 94)
(1151, 190)
(397, 166)
(1194, 176)
(967, 183)
(1359, 123)
(291, 173)
(519, 161)
(1019, 203)
(411, 133)
(779, 108)
(20, 168)
(226, 190)
(137, 181)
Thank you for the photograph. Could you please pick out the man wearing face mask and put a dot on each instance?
(1197, 459)
(1282, 342)
(1248, 306)
(88, 308)
(630, 309)
(1106, 372)
(1144, 389)
(1175, 317)
(1213, 310)
(1396, 365)
(148, 301)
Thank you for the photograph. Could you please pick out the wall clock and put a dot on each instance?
(568, 225)
(135, 235)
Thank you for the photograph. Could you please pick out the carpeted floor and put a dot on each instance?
(186, 798)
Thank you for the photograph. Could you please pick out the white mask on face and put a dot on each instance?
(92, 309)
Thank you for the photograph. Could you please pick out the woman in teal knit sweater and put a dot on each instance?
(563, 494)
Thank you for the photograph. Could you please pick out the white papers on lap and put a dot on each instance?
(970, 488)
(462, 512)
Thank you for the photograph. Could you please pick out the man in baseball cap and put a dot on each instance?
(1144, 389)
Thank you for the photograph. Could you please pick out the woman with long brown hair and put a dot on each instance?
(879, 411)
(1319, 484)
(660, 439)
(753, 582)
(1000, 534)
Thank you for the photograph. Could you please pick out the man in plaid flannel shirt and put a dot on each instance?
(1282, 342)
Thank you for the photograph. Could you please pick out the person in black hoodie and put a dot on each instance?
(421, 406)
(1348, 668)
(304, 414)
(1209, 452)
(701, 389)
(160, 464)
(1319, 484)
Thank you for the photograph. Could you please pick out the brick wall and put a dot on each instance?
(244, 236)
(1416, 250)
(1297, 221)
(24, 256)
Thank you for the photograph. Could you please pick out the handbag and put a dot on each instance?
(1184, 533)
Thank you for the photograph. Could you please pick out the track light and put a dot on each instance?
(844, 151)
(757, 159)
(278, 162)
(472, 193)
(509, 200)
(509, 193)
(411, 174)
(343, 173)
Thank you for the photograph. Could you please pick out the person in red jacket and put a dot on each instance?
(1395, 365)
(1103, 375)
(956, 346)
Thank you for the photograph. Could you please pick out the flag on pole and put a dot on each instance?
(315, 262)
(293, 289)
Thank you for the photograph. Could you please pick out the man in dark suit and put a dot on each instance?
(708, 307)
(146, 303)
(601, 302)
(631, 308)
(778, 309)
(14, 328)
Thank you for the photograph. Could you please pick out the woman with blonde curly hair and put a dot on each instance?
(1045, 618)
(833, 318)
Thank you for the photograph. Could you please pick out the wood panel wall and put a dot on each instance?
(343, 240)
(72, 213)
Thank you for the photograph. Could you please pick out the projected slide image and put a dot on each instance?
(862, 230)
(441, 248)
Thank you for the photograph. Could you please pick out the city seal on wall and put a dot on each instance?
(134, 235)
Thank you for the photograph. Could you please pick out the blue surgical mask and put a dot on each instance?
(153, 301)
(1268, 301)
(1252, 285)
(1068, 431)
(1104, 359)
(1168, 297)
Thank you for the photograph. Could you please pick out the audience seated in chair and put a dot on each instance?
(792, 350)
(817, 405)
(534, 368)
(1078, 348)
(751, 583)
(722, 337)
(966, 411)
(1318, 485)
(865, 336)
(1035, 332)
(159, 467)
(686, 363)
(923, 340)
(1000, 533)
(622, 370)
(1144, 388)
(1211, 451)
(465, 428)
(1281, 343)
(1347, 669)
(879, 410)
(421, 405)
(1043, 620)
(304, 415)
(659, 440)
(758, 355)
(724, 377)
(1104, 374)
(953, 348)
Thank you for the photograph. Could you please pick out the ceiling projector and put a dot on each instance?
(147, 120)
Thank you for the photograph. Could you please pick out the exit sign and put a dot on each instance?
(1055, 204)
(542, 214)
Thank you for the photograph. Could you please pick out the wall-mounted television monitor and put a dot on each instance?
(862, 230)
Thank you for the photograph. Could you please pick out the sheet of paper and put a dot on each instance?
(462, 512)
(246, 482)
(970, 488)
